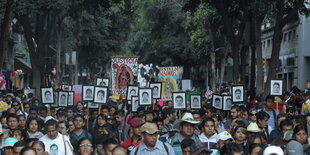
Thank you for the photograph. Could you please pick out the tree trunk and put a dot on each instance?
(58, 53)
(259, 58)
(236, 63)
(5, 31)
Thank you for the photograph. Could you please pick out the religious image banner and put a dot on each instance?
(171, 78)
(124, 70)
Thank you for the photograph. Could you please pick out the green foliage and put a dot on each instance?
(158, 34)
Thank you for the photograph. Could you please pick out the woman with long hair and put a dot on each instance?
(33, 127)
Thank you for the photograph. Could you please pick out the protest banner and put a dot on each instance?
(170, 78)
(124, 70)
(77, 93)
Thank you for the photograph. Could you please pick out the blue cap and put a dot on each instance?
(9, 142)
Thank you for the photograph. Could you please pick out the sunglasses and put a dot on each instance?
(15, 105)
(290, 111)
(252, 114)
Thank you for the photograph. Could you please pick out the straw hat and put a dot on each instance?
(253, 127)
(187, 117)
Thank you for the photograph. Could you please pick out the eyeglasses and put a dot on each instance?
(61, 128)
(86, 145)
(15, 105)
(251, 114)
(290, 111)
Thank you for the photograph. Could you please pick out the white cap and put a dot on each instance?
(273, 150)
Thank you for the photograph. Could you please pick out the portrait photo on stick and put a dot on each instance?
(276, 87)
(179, 100)
(132, 91)
(88, 93)
(156, 90)
(47, 95)
(195, 101)
(238, 93)
(217, 101)
(101, 95)
(145, 96)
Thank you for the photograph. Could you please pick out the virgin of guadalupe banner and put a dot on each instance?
(170, 78)
(124, 69)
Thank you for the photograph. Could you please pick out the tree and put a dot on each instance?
(5, 31)
(284, 12)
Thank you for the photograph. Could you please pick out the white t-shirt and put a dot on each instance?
(56, 146)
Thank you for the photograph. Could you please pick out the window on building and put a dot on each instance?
(268, 43)
(285, 37)
(294, 35)
(289, 35)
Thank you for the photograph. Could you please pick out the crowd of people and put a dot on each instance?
(269, 126)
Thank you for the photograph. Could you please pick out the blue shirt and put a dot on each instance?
(177, 140)
(159, 149)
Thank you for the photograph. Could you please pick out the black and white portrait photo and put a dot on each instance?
(134, 103)
(132, 91)
(217, 101)
(179, 100)
(27, 92)
(237, 93)
(102, 82)
(63, 99)
(47, 95)
(276, 87)
(71, 98)
(55, 104)
(92, 105)
(195, 102)
(156, 90)
(101, 95)
(88, 93)
(227, 102)
(145, 96)
(66, 87)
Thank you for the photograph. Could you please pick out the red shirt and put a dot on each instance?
(130, 144)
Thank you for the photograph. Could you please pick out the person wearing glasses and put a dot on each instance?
(85, 146)
(17, 107)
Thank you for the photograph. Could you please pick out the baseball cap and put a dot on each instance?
(149, 128)
(273, 150)
(224, 136)
(294, 148)
(199, 147)
(9, 142)
(135, 122)
(288, 135)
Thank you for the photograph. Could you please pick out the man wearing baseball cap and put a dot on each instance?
(135, 126)
(151, 145)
